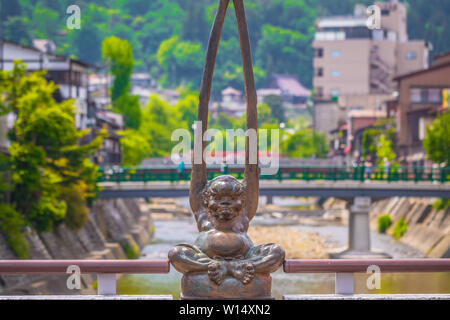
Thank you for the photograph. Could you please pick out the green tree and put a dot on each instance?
(195, 26)
(181, 61)
(44, 20)
(437, 147)
(385, 150)
(159, 120)
(118, 55)
(276, 105)
(372, 141)
(286, 51)
(265, 115)
(45, 154)
(187, 110)
(135, 147)
(305, 143)
(437, 140)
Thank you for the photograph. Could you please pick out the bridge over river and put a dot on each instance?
(342, 182)
(358, 183)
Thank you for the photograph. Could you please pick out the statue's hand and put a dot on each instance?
(243, 271)
(217, 272)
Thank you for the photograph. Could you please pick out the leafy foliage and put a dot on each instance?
(276, 105)
(378, 141)
(11, 224)
(437, 140)
(305, 143)
(384, 222)
(400, 228)
(46, 159)
(135, 147)
(118, 56)
(441, 204)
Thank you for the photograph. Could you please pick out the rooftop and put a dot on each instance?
(44, 45)
(268, 91)
(290, 84)
(40, 43)
(367, 114)
(231, 91)
(341, 22)
(440, 61)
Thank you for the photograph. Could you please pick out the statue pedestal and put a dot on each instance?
(200, 287)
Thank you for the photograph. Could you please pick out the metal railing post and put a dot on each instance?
(106, 284)
(344, 283)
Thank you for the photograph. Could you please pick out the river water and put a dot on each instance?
(171, 232)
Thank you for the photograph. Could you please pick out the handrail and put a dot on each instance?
(86, 266)
(106, 270)
(308, 173)
(344, 269)
(356, 265)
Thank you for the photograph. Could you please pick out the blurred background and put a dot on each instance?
(80, 103)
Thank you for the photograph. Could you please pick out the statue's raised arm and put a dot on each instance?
(198, 176)
(251, 180)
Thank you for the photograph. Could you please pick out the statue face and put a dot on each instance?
(224, 198)
(224, 207)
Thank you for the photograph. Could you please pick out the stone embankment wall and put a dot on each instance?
(116, 229)
(428, 228)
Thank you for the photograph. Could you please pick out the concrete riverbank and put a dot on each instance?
(116, 229)
(428, 228)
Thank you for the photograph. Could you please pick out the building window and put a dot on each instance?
(411, 55)
(435, 95)
(415, 95)
(377, 35)
(335, 73)
(335, 92)
(426, 95)
(318, 52)
(319, 72)
(329, 36)
(385, 12)
(336, 53)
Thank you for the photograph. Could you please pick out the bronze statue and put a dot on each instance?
(224, 263)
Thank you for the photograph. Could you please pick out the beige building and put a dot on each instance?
(356, 65)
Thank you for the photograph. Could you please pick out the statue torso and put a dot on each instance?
(224, 245)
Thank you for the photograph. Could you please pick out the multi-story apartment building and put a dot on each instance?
(355, 65)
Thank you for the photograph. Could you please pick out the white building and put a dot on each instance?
(69, 74)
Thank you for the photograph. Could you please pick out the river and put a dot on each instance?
(183, 229)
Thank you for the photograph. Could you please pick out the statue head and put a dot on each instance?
(223, 197)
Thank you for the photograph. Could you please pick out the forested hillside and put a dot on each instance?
(169, 36)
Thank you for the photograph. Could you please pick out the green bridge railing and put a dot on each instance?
(358, 173)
